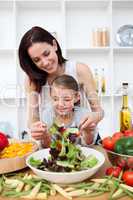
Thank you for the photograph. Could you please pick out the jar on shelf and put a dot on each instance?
(105, 37)
(97, 37)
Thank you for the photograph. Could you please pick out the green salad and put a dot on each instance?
(64, 155)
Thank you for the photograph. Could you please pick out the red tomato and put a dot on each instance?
(128, 177)
(115, 171)
(121, 162)
(130, 163)
(3, 141)
(128, 133)
(108, 143)
(116, 136)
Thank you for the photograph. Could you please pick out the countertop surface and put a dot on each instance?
(99, 174)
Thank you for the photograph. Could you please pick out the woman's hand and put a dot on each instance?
(38, 130)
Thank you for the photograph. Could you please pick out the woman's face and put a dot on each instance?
(44, 56)
(63, 100)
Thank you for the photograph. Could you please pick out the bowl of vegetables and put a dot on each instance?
(78, 164)
(13, 153)
(65, 162)
(119, 149)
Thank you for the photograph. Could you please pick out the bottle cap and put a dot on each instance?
(125, 84)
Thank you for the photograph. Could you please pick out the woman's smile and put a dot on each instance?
(44, 56)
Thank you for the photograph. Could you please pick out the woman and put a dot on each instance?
(41, 58)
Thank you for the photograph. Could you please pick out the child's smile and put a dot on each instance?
(62, 100)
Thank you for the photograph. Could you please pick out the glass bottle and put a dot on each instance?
(103, 82)
(96, 80)
(125, 113)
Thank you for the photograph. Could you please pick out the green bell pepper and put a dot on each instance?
(124, 146)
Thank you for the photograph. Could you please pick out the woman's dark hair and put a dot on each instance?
(35, 35)
(67, 82)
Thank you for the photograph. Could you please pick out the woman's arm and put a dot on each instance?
(38, 129)
(85, 78)
(32, 102)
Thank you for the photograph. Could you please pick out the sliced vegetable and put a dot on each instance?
(127, 187)
(34, 191)
(61, 191)
(76, 193)
(117, 193)
(41, 195)
(1, 183)
(16, 149)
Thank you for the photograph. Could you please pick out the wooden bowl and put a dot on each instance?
(16, 163)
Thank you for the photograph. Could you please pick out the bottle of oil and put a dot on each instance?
(125, 113)
(103, 82)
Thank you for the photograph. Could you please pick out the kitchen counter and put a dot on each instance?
(99, 174)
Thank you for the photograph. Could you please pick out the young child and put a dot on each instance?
(65, 111)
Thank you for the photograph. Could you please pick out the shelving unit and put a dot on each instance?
(73, 21)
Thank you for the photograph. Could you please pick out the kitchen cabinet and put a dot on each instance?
(73, 21)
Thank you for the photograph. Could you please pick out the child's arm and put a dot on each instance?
(87, 132)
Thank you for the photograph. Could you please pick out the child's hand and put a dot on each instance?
(38, 130)
(87, 123)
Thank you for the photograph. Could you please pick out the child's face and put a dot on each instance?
(63, 99)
